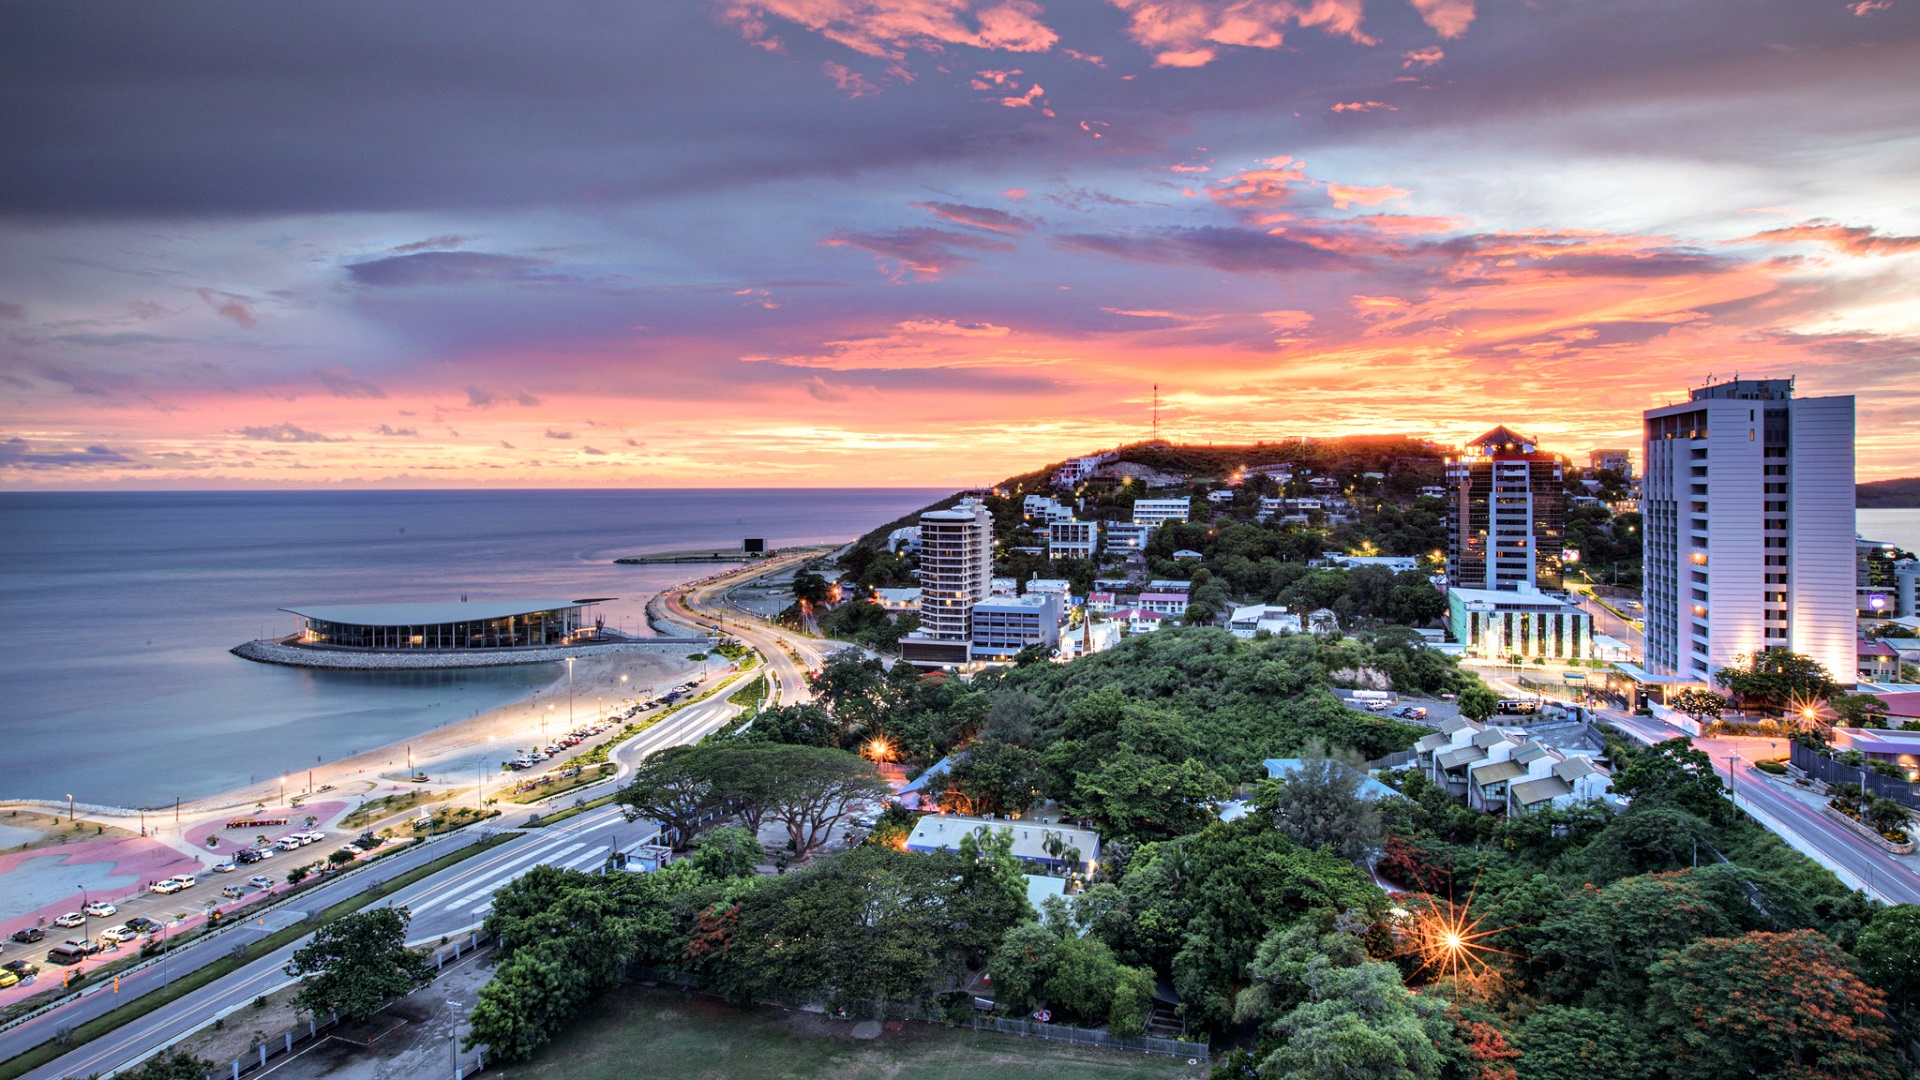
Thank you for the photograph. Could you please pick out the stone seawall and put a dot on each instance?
(273, 652)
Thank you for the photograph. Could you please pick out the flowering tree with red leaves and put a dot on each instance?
(1767, 1004)
(1406, 862)
(1489, 1050)
(712, 929)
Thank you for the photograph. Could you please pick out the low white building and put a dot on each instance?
(1178, 585)
(1165, 603)
(1396, 563)
(1222, 496)
(1188, 553)
(1088, 638)
(1496, 625)
(1161, 511)
(1501, 769)
(1127, 536)
(1273, 618)
(1139, 620)
(897, 599)
(1004, 625)
(1072, 539)
(1055, 847)
(1057, 586)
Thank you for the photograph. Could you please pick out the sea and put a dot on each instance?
(117, 611)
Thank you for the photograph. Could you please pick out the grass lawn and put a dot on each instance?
(681, 1036)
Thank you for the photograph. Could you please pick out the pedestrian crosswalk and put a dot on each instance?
(456, 897)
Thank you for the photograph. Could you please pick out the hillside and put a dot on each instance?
(1901, 494)
(1411, 461)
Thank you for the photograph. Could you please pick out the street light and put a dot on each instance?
(69, 808)
(1733, 764)
(85, 919)
(453, 1037)
(569, 692)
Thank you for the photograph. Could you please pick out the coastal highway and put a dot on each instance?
(1862, 865)
(19, 1039)
(445, 904)
(703, 605)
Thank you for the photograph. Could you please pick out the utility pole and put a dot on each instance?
(1156, 410)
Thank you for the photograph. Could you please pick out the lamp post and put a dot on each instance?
(69, 807)
(569, 693)
(453, 1038)
(86, 920)
(1733, 765)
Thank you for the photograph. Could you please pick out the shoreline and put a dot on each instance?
(650, 667)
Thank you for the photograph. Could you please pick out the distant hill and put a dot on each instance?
(1901, 494)
(1412, 461)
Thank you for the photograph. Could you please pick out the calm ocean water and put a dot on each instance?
(117, 611)
(1892, 526)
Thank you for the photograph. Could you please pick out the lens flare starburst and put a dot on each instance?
(1450, 942)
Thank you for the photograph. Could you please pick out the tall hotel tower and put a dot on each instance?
(1506, 515)
(1748, 543)
(956, 572)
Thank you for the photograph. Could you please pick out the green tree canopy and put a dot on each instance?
(355, 965)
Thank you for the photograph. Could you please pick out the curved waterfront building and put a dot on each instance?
(495, 624)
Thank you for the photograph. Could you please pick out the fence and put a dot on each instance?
(1825, 769)
(304, 1037)
(1092, 1037)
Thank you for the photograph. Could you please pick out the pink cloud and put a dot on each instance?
(1449, 18)
(1847, 239)
(1023, 101)
(1425, 57)
(1015, 193)
(1189, 33)
(1868, 7)
(850, 82)
(1258, 193)
(889, 29)
(1363, 106)
(1345, 195)
(980, 217)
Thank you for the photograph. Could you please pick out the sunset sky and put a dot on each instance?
(928, 242)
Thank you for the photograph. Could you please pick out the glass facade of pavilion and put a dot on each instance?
(554, 626)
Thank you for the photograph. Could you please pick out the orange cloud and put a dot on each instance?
(1258, 193)
(1449, 18)
(1023, 101)
(1425, 57)
(1847, 239)
(1189, 33)
(1345, 195)
(1363, 106)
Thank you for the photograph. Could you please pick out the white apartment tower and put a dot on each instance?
(1748, 542)
(956, 572)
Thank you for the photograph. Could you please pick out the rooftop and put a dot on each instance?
(432, 614)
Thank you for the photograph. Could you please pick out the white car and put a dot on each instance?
(165, 888)
(260, 881)
(100, 909)
(119, 934)
(224, 867)
(71, 918)
(186, 880)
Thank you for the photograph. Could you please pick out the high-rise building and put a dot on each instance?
(1748, 538)
(956, 572)
(1620, 461)
(1506, 515)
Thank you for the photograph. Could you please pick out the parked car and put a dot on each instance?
(166, 888)
(244, 856)
(67, 954)
(7, 978)
(71, 919)
(143, 924)
(1412, 712)
(117, 934)
(260, 881)
(27, 935)
(100, 909)
(227, 867)
(232, 892)
(23, 968)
